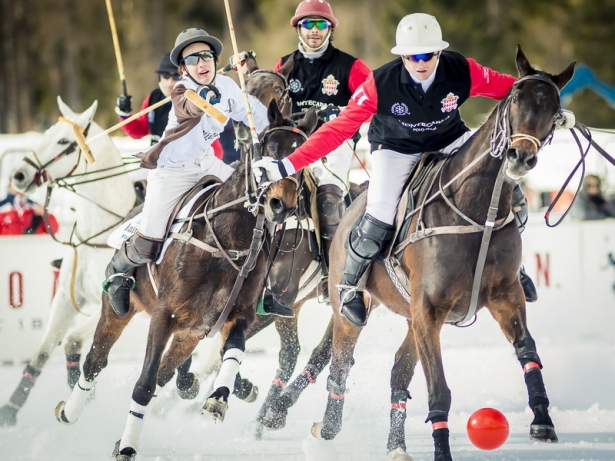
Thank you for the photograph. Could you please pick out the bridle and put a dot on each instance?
(502, 138)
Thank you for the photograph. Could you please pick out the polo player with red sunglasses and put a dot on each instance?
(325, 77)
(413, 103)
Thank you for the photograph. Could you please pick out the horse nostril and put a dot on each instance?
(19, 176)
(277, 206)
(512, 154)
(531, 161)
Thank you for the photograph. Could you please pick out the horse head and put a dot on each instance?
(534, 107)
(279, 140)
(52, 158)
(266, 86)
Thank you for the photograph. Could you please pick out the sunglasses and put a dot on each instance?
(193, 59)
(426, 57)
(321, 24)
(167, 76)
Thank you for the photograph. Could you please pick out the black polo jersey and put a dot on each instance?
(320, 82)
(158, 118)
(410, 121)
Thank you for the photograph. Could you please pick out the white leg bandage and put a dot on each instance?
(76, 402)
(230, 367)
(134, 426)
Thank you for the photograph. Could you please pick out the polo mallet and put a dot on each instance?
(197, 100)
(257, 154)
(116, 46)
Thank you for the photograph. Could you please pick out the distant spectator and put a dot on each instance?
(20, 215)
(591, 203)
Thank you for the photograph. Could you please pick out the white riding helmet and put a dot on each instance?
(418, 33)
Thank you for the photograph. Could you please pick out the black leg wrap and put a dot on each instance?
(535, 388)
(437, 416)
(26, 384)
(332, 422)
(442, 449)
(72, 367)
(529, 356)
(397, 432)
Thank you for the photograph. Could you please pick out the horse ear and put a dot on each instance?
(309, 121)
(87, 116)
(523, 65)
(274, 115)
(287, 68)
(565, 76)
(66, 111)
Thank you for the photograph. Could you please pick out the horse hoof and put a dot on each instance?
(399, 454)
(127, 453)
(273, 420)
(8, 415)
(543, 433)
(60, 415)
(192, 391)
(216, 408)
(316, 430)
(253, 395)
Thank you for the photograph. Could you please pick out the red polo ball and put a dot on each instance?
(488, 428)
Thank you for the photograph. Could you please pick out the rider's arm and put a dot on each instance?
(362, 105)
(358, 75)
(487, 82)
(184, 109)
(139, 127)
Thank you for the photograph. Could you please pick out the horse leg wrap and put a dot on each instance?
(397, 435)
(442, 449)
(76, 402)
(529, 356)
(134, 426)
(229, 369)
(332, 422)
(72, 368)
(30, 374)
(535, 386)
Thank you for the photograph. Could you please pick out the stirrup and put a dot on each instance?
(347, 295)
(107, 282)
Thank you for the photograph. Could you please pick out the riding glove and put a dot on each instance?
(329, 113)
(268, 165)
(212, 91)
(124, 105)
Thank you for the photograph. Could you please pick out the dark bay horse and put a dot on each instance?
(195, 284)
(441, 267)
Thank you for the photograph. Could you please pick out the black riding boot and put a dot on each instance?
(274, 307)
(519, 206)
(365, 242)
(330, 207)
(120, 281)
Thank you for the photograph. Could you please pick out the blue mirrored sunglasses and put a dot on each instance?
(426, 57)
(193, 59)
(321, 24)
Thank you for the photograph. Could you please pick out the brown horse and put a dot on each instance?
(441, 265)
(196, 284)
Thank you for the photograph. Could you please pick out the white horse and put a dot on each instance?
(103, 198)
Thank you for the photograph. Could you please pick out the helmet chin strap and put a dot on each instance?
(308, 48)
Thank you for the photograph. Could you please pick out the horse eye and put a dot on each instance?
(272, 147)
(63, 141)
(278, 91)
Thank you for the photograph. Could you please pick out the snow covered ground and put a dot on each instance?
(480, 367)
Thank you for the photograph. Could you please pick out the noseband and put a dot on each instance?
(41, 176)
(501, 137)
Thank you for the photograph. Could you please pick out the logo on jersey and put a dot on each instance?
(295, 85)
(399, 108)
(329, 85)
(449, 103)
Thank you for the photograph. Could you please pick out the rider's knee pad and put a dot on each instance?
(331, 207)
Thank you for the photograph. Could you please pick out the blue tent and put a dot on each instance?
(585, 77)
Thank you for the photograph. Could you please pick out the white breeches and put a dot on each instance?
(389, 173)
(333, 168)
(166, 185)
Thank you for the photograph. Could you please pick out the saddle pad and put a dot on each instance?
(128, 228)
